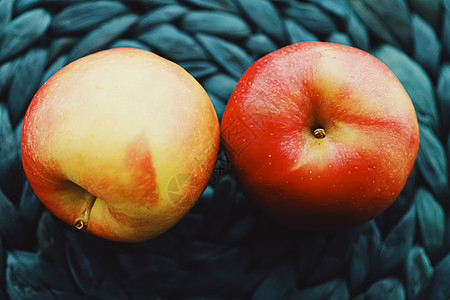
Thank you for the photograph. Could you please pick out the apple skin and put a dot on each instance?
(273, 126)
(123, 139)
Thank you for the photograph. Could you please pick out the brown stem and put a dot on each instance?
(319, 133)
(82, 221)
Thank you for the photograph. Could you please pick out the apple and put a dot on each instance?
(120, 143)
(323, 136)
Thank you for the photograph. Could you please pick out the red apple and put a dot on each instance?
(121, 142)
(322, 135)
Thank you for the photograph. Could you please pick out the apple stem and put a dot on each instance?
(319, 133)
(82, 221)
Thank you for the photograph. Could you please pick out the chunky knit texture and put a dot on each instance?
(224, 248)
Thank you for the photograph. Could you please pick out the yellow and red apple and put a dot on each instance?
(121, 142)
(322, 135)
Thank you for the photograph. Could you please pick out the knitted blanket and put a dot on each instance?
(224, 248)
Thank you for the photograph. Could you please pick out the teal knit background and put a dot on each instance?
(224, 248)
